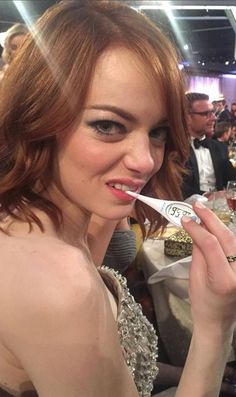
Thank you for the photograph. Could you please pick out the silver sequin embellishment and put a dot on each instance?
(137, 336)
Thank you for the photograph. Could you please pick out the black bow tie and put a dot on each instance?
(198, 143)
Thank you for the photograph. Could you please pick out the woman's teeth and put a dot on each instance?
(124, 188)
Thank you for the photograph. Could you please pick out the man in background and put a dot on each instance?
(223, 113)
(223, 132)
(207, 169)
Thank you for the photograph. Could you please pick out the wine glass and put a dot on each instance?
(231, 198)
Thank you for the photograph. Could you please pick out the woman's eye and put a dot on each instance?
(160, 134)
(108, 127)
(13, 47)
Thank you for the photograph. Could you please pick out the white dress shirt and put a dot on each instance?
(206, 171)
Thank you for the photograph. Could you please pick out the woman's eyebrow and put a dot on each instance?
(124, 114)
(120, 112)
(162, 122)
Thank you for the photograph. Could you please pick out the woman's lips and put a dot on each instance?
(123, 187)
(120, 193)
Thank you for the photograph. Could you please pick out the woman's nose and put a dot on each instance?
(139, 156)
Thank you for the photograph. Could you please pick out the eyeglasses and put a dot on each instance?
(206, 113)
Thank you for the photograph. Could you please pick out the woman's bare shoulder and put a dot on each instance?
(45, 274)
(40, 250)
(58, 312)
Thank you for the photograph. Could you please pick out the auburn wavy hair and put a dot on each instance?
(45, 88)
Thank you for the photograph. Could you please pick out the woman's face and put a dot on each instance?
(119, 142)
(14, 44)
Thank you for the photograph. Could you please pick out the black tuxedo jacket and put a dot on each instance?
(224, 116)
(224, 171)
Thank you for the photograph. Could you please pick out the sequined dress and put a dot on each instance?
(137, 336)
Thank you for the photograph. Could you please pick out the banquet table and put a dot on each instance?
(169, 289)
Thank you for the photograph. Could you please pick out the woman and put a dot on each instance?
(92, 116)
(233, 112)
(14, 38)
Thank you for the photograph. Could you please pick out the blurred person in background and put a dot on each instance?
(207, 169)
(223, 131)
(233, 112)
(215, 106)
(223, 113)
(15, 35)
(233, 133)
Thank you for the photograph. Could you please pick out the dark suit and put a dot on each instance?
(224, 116)
(224, 171)
(224, 149)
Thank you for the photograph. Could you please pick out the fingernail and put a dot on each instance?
(186, 219)
(199, 204)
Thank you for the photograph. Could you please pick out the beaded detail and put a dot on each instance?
(137, 336)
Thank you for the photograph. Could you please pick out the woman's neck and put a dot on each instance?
(75, 220)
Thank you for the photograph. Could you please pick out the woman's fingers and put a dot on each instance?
(215, 241)
(212, 277)
(214, 225)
